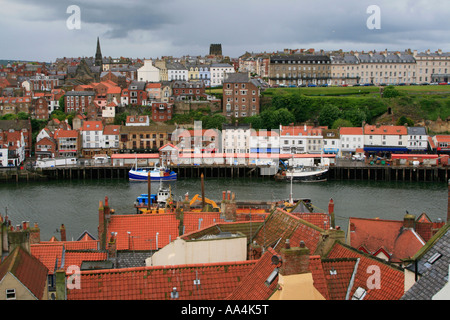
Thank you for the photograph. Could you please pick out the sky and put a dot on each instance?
(43, 30)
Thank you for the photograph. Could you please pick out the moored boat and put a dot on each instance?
(157, 173)
(304, 174)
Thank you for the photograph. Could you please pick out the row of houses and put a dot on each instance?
(304, 67)
(273, 254)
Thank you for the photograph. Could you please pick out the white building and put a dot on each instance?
(218, 71)
(177, 71)
(236, 138)
(417, 139)
(301, 139)
(92, 135)
(379, 139)
(148, 72)
(265, 141)
(351, 141)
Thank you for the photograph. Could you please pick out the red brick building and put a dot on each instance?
(185, 90)
(240, 95)
(162, 111)
(78, 101)
(41, 109)
(46, 148)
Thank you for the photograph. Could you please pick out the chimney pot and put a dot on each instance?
(287, 244)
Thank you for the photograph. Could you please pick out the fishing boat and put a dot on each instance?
(159, 199)
(307, 174)
(157, 173)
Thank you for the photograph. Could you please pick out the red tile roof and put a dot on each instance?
(253, 286)
(49, 254)
(391, 281)
(213, 281)
(281, 225)
(92, 126)
(385, 130)
(374, 234)
(351, 131)
(111, 130)
(27, 269)
(139, 232)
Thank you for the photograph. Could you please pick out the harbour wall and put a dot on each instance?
(360, 172)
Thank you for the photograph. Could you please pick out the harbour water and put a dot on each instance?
(75, 203)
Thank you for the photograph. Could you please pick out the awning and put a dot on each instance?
(384, 149)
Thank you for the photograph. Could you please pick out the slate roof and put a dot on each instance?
(432, 267)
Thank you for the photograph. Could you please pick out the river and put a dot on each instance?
(75, 203)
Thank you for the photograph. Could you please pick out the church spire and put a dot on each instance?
(98, 55)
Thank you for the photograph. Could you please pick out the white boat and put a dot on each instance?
(307, 174)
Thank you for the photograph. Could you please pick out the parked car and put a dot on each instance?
(358, 157)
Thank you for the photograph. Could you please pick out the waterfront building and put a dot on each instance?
(68, 142)
(331, 141)
(148, 72)
(351, 141)
(301, 139)
(417, 139)
(8, 127)
(45, 148)
(241, 95)
(111, 139)
(140, 138)
(92, 138)
(385, 139)
(441, 143)
(265, 141)
(236, 138)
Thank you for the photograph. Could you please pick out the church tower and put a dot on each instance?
(98, 56)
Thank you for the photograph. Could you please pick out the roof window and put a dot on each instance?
(359, 294)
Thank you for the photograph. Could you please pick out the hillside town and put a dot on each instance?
(108, 111)
(86, 107)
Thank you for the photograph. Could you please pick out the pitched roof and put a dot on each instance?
(351, 131)
(374, 234)
(92, 126)
(281, 225)
(391, 277)
(27, 269)
(111, 129)
(385, 130)
(432, 266)
(212, 281)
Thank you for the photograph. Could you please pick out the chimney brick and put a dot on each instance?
(295, 260)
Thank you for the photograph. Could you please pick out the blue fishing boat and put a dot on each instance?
(157, 173)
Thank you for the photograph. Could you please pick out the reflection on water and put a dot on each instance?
(75, 203)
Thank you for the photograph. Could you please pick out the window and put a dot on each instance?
(10, 294)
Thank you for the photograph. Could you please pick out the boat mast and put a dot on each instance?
(292, 175)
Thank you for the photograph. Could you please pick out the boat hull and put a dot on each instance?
(308, 176)
(142, 175)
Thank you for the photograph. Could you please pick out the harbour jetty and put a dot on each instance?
(342, 171)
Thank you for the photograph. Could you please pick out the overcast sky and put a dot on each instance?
(38, 29)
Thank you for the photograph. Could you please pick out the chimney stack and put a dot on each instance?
(295, 260)
(409, 221)
(63, 233)
(331, 213)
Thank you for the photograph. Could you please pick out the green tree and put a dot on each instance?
(339, 123)
(328, 115)
(390, 92)
(62, 104)
(404, 120)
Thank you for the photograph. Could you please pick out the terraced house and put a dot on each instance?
(299, 69)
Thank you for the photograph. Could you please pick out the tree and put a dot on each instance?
(339, 123)
(404, 120)
(62, 104)
(390, 92)
(328, 115)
